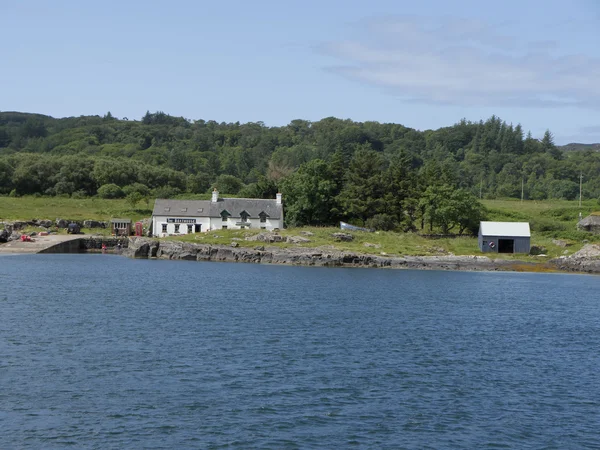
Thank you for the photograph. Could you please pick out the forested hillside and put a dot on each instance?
(374, 173)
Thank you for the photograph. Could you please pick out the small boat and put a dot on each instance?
(347, 226)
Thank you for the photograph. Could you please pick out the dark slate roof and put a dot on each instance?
(206, 208)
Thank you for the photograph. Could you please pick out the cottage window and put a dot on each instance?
(244, 215)
(167, 209)
(224, 227)
(263, 217)
(200, 210)
(189, 228)
(224, 215)
(164, 227)
(176, 228)
(183, 209)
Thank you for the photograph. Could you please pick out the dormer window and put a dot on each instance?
(183, 209)
(167, 209)
(263, 217)
(244, 215)
(224, 215)
(200, 210)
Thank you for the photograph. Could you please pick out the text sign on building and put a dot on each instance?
(181, 220)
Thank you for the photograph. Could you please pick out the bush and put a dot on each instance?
(382, 222)
(165, 192)
(110, 191)
(140, 188)
(79, 194)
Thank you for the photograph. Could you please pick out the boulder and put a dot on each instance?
(45, 223)
(344, 237)
(307, 233)
(235, 244)
(366, 244)
(14, 236)
(19, 225)
(588, 251)
(266, 237)
(297, 240)
(559, 242)
(3, 236)
(62, 223)
(93, 224)
(537, 250)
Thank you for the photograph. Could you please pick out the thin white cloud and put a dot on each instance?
(465, 62)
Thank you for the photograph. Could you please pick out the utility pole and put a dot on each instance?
(580, 183)
(480, 187)
(522, 190)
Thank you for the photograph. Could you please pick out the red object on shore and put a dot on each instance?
(25, 238)
(139, 229)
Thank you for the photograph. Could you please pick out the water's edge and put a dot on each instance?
(140, 247)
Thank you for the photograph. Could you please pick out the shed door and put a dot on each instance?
(506, 245)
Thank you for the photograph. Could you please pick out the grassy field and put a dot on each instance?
(27, 208)
(550, 220)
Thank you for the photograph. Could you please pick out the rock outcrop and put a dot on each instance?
(585, 260)
(141, 247)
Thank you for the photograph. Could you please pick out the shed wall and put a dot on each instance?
(522, 244)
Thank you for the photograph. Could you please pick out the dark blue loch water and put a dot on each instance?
(99, 351)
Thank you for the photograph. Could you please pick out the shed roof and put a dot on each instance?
(516, 229)
(206, 208)
(120, 220)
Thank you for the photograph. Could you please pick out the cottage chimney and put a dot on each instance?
(278, 197)
(215, 196)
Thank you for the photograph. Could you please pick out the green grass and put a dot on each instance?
(550, 220)
(27, 208)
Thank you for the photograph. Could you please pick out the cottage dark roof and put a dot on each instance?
(206, 208)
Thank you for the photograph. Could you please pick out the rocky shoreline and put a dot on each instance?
(587, 260)
(141, 247)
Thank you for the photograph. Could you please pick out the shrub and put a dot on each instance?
(382, 222)
(110, 191)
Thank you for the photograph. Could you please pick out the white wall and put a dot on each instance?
(158, 221)
(208, 224)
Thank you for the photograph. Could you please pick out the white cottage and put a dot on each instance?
(172, 217)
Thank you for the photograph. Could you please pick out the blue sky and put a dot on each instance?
(423, 64)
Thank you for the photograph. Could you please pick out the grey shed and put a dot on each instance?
(504, 237)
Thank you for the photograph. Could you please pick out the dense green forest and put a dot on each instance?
(381, 174)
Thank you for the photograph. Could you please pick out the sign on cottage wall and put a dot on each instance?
(169, 220)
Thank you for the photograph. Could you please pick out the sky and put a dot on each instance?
(425, 64)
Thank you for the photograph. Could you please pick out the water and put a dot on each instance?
(100, 351)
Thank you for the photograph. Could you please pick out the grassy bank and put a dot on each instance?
(550, 220)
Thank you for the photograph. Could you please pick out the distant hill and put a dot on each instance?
(575, 147)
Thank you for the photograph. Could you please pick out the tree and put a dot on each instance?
(310, 195)
(228, 184)
(134, 198)
(446, 208)
(549, 147)
(364, 189)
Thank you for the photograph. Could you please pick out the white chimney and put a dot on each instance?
(278, 198)
(215, 196)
